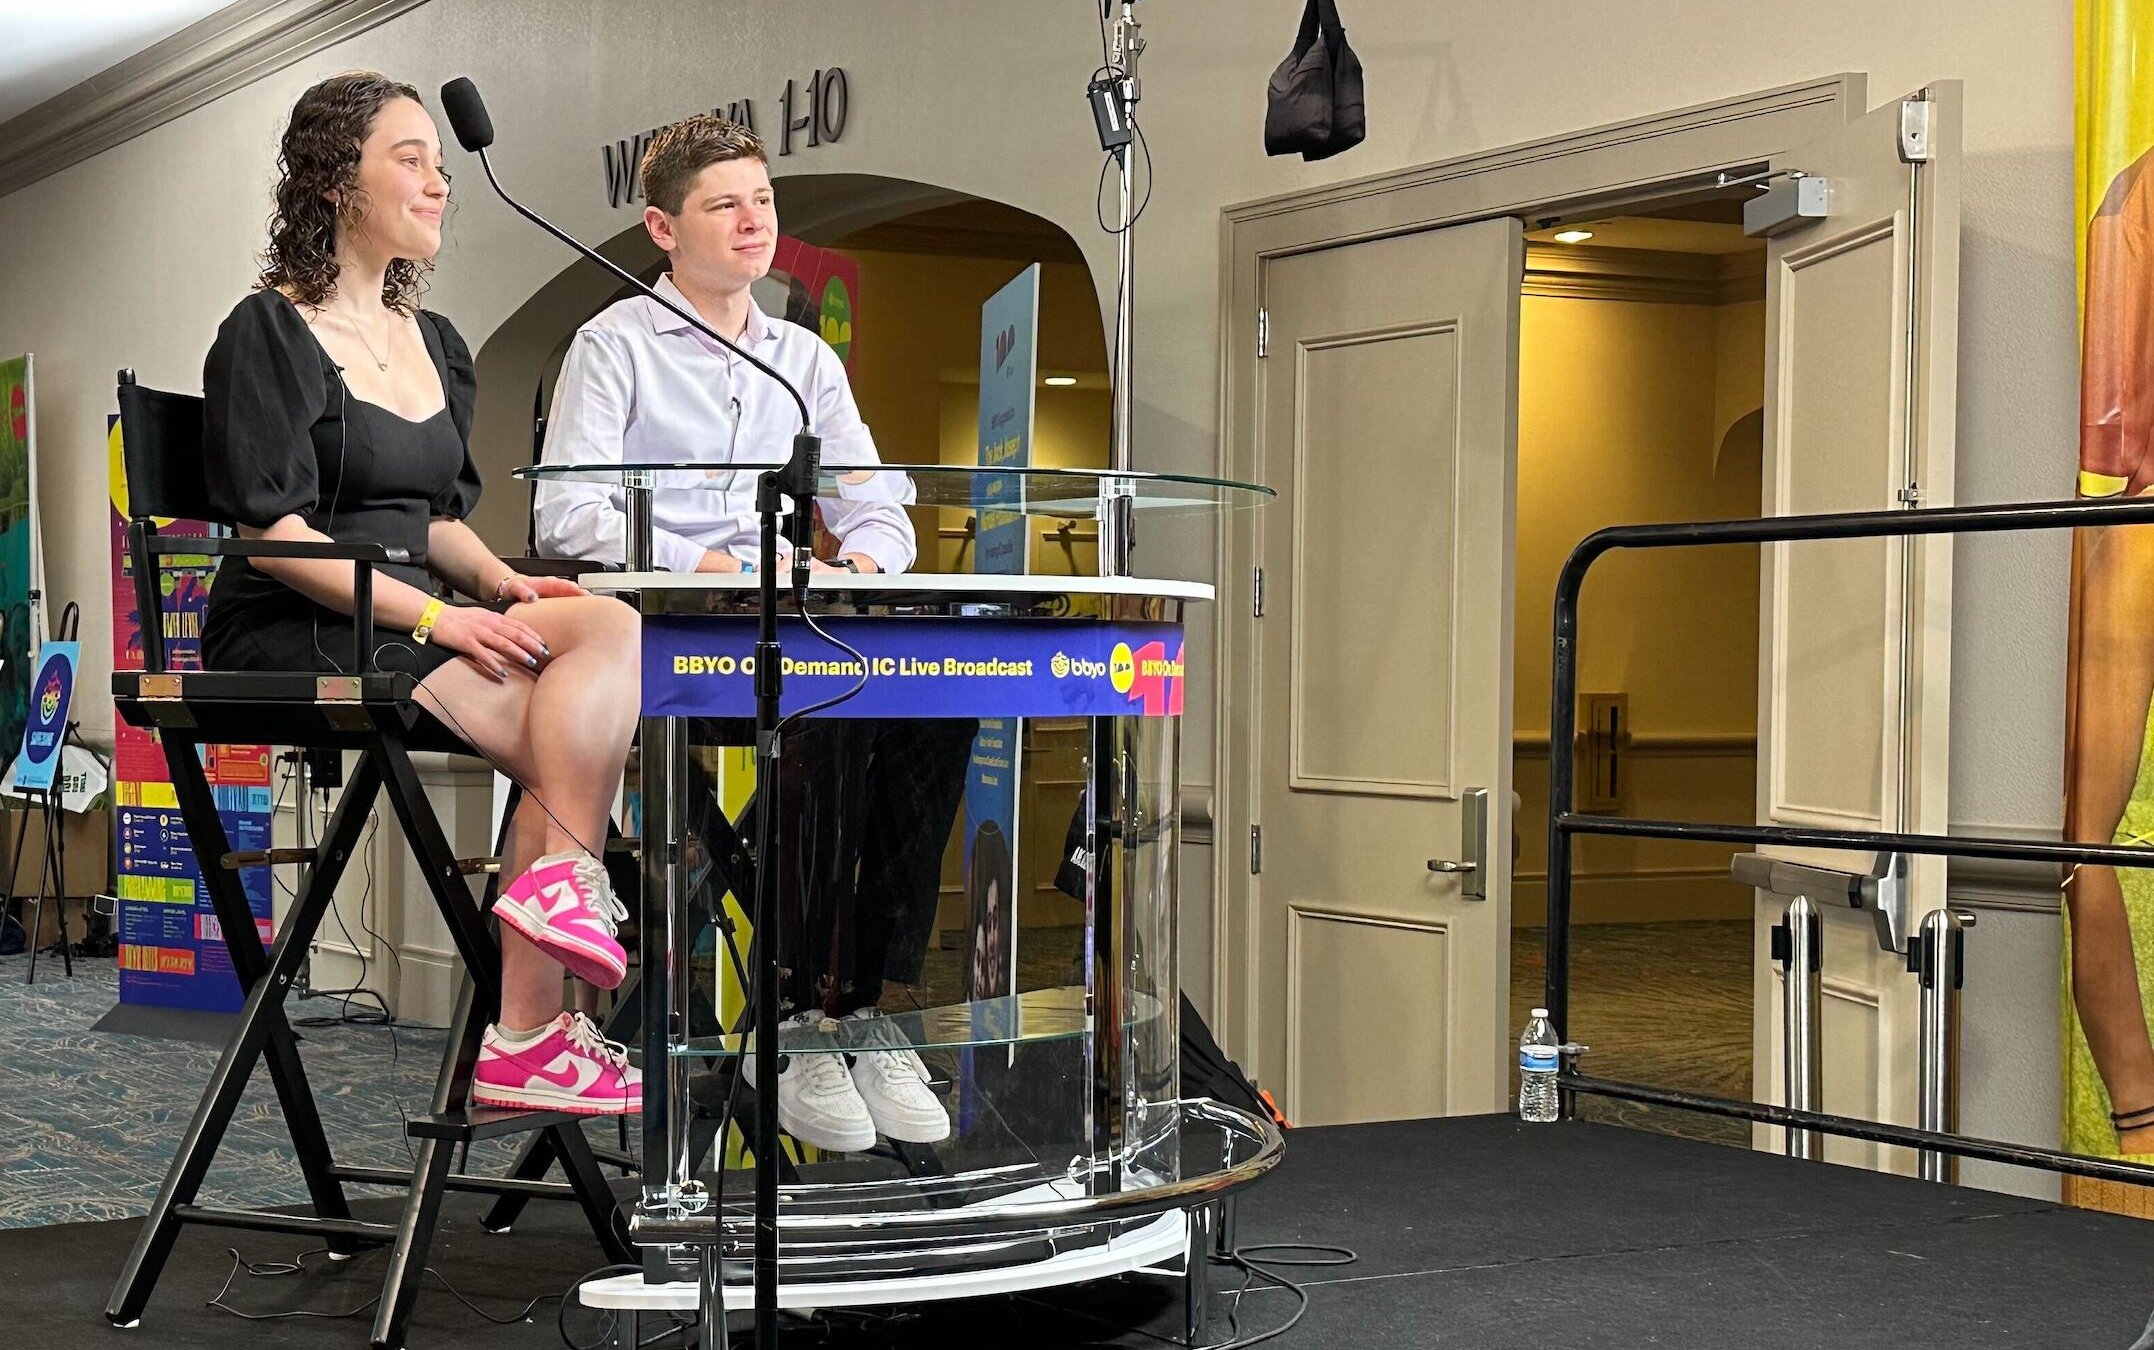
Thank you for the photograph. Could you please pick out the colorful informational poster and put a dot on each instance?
(816, 288)
(19, 632)
(51, 694)
(1009, 375)
(172, 952)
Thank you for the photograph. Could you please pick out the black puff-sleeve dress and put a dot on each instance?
(282, 436)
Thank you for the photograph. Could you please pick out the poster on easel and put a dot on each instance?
(171, 945)
(52, 693)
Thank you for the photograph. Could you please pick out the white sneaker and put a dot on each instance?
(893, 1084)
(817, 1102)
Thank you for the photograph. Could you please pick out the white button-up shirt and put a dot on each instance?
(641, 386)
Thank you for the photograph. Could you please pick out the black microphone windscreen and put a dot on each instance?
(467, 114)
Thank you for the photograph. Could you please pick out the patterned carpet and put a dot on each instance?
(89, 1120)
(1666, 1004)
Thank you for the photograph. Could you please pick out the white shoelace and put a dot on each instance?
(587, 1038)
(592, 873)
(887, 1053)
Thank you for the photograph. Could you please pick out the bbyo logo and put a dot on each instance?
(1005, 343)
(1064, 666)
(1122, 668)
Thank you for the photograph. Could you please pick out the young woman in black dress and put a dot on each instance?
(337, 408)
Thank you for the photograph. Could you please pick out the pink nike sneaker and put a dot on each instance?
(567, 909)
(565, 1065)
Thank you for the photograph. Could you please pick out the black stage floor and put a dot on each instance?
(1472, 1232)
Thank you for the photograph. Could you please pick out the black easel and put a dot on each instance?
(52, 867)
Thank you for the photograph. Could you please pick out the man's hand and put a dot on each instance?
(715, 561)
(861, 561)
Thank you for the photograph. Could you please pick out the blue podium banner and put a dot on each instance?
(704, 666)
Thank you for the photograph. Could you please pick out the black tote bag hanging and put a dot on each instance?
(1314, 101)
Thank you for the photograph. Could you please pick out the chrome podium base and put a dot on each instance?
(1162, 1241)
(1050, 1233)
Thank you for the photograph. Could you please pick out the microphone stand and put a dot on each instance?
(795, 480)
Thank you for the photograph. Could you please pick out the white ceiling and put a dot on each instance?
(47, 46)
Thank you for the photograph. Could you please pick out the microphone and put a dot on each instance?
(475, 132)
(467, 114)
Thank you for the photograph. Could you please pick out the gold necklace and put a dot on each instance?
(388, 340)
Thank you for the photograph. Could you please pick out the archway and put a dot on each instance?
(926, 257)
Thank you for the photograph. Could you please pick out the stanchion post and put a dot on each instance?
(1798, 945)
(1937, 958)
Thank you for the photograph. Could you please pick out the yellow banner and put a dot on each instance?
(2109, 788)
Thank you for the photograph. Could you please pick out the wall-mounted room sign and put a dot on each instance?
(811, 112)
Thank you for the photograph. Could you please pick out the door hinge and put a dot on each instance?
(1911, 495)
(1256, 592)
(1915, 131)
(1263, 333)
(1256, 849)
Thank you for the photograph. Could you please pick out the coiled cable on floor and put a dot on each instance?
(1254, 1268)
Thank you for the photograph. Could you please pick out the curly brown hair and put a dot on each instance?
(319, 156)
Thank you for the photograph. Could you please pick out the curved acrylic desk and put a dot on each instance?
(1046, 1003)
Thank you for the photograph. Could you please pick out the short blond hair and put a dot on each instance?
(678, 153)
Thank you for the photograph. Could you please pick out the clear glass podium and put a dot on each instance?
(976, 870)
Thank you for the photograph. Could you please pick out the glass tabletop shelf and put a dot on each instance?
(1064, 493)
(1019, 1019)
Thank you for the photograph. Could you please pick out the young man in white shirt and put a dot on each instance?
(640, 385)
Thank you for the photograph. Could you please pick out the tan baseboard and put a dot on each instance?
(2110, 1197)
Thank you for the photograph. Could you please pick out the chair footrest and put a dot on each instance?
(459, 1181)
(487, 1122)
(305, 1225)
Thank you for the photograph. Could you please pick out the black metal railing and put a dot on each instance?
(1565, 823)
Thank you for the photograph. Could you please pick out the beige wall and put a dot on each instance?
(1631, 412)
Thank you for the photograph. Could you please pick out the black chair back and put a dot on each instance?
(161, 440)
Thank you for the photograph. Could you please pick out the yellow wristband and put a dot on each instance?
(427, 616)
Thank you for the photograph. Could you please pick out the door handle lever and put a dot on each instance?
(1473, 841)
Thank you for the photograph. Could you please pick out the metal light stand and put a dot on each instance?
(1115, 107)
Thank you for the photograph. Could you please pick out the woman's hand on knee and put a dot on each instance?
(524, 590)
(495, 643)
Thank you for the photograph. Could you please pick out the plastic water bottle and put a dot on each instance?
(1537, 1052)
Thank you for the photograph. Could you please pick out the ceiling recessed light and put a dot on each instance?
(1572, 236)
(1060, 381)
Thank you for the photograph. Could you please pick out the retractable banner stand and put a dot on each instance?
(1009, 331)
(18, 545)
(172, 952)
(815, 288)
(2109, 787)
